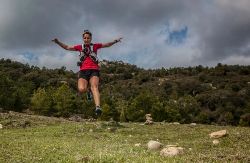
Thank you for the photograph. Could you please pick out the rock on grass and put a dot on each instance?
(171, 151)
(218, 134)
(154, 145)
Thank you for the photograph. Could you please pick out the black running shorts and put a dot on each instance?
(87, 74)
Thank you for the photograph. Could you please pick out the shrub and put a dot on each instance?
(245, 120)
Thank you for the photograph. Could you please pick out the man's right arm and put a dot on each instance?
(64, 46)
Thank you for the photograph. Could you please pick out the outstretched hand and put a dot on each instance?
(119, 39)
(55, 40)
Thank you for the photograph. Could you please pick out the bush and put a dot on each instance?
(226, 118)
(245, 120)
(188, 108)
(63, 99)
(172, 111)
(42, 102)
(141, 105)
(203, 117)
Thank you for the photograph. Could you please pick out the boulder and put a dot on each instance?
(154, 145)
(218, 134)
(171, 151)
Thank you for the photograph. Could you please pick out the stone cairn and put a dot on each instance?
(149, 119)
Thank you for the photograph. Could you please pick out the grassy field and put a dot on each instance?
(25, 138)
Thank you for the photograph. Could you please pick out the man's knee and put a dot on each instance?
(82, 89)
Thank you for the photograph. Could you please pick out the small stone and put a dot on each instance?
(149, 118)
(137, 144)
(171, 151)
(154, 145)
(148, 122)
(1, 126)
(176, 123)
(216, 142)
(193, 124)
(218, 134)
(90, 130)
(111, 129)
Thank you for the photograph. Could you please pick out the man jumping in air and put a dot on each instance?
(89, 68)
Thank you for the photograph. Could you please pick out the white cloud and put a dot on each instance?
(234, 60)
(217, 30)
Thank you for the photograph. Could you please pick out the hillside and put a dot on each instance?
(208, 95)
(31, 138)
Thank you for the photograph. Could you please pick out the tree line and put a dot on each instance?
(209, 95)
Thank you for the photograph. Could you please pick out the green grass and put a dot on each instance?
(46, 140)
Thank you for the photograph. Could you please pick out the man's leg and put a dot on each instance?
(82, 85)
(94, 83)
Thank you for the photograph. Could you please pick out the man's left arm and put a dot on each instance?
(105, 45)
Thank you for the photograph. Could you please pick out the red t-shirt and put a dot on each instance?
(88, 63)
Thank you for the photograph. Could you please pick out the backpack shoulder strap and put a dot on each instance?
(92, 47)
(82, 47)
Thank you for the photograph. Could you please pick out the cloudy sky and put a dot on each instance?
(156, 33)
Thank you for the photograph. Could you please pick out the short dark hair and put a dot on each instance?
(87, 32)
